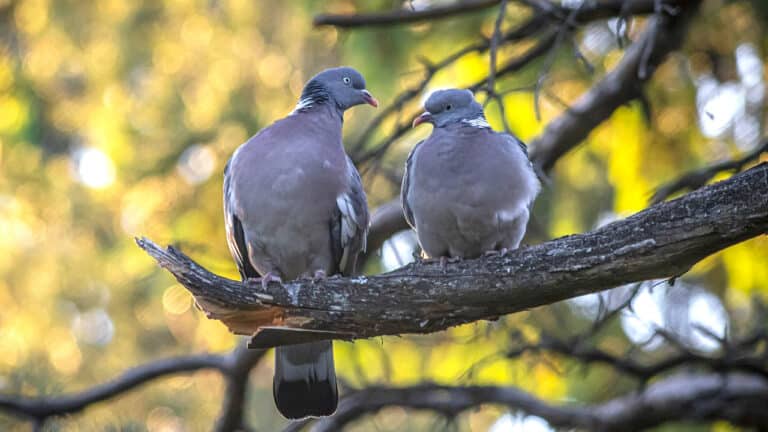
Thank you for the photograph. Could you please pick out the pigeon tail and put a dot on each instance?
(305, 380)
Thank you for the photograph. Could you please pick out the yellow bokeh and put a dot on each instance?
(176, 299)
(32, 16)
(623, 139)
(63, 352)
(746, 267)
(13, 114)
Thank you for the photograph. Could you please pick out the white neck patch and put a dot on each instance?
(479, 122)
(303, 103)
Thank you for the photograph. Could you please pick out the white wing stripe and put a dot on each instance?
(348, 218)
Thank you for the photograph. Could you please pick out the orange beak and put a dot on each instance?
(425, 117)
(369, 99)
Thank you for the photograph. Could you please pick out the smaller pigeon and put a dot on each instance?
(467, 190)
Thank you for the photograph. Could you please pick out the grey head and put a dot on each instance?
(445, 107)
(343, 87)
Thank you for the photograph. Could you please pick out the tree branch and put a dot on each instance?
(698, 178)
(234, 367)
(588, 12)
(547, 14)
(402, 16)
(624, 83)
(660, 242)
(44, 407)
(238, 366)
(386, 220)
(738, 398)
(731, 360)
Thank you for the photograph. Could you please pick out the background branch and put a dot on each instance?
(402, 16)
(738, 398)
(698, 178)
(547, 20)
(238, 366)
(624, 83)
(234, 367)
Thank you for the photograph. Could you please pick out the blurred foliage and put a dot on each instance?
(116, 120)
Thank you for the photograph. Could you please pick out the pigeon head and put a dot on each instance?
(445, 107)
(342, 86)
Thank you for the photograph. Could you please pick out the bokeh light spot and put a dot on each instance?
(93, 168)
(176, 299)
(197, 163)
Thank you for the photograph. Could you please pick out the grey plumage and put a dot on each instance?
(466, 189)
(294, 206)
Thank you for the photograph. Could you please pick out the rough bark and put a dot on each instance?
(662, 241)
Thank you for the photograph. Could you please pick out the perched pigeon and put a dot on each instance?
(467, 190)
(294, 207)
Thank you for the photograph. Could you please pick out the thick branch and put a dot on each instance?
(659, 242)
(738, 398)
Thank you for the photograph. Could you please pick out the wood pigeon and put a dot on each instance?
(294, 207)
(467, 190)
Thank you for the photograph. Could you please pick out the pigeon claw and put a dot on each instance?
(500, 252)
(319, 275)
(265, 280)
(443, 261)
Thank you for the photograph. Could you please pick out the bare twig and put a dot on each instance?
(591, 12)
(540, 23)
(645, 372)
(495, 39)
(403, 16)
(698, 178)
(621, 85)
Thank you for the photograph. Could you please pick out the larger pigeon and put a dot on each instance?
(294, 207)
(467, 190)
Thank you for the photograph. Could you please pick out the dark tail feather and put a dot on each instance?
(305, 380)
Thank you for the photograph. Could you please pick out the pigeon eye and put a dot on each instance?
(347, 80)
(448, 107)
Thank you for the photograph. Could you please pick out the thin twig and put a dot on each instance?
(698, 178)
(403, 16)
(495, 39)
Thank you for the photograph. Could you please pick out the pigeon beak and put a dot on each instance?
(425, 117)
(369, 99)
